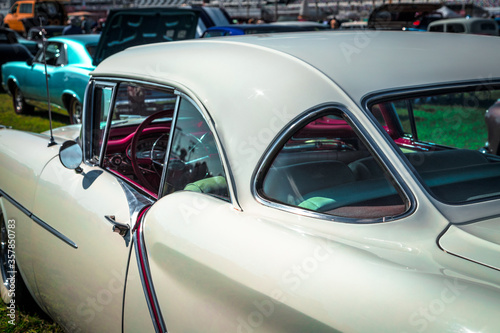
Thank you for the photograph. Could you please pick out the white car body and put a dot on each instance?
(196, 263)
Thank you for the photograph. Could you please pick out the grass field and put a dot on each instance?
(37, 122)
(27, 321)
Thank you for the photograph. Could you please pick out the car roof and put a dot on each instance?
(358, 62)
(461, 20)
(256, 84)
(266, 28)
(80, 39)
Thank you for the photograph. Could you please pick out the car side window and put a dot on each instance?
(137, 134)
(136, 126)
(26, 8)
(194, 163)
(450, 139)
(455, 28)
(437, 28)
(326, 167)
(55, 55)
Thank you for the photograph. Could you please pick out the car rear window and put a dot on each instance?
(325, 167)
(451, 140)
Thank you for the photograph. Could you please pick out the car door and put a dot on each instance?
(80, 263)
(36, 84)
(194, 164)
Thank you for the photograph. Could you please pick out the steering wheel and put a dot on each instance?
(133, 149)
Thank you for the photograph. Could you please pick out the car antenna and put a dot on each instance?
(52, 142)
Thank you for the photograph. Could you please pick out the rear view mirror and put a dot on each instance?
(71, 155)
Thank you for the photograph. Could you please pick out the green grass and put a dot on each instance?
(454, 126)
(26, 322)
(37, 122)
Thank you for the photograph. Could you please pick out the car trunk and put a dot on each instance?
(478, 242)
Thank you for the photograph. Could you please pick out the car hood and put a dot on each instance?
(478, 242)
(130, 27)
(70, 132)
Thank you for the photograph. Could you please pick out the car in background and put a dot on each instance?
(473, 25)
(70, 59)
(354, 25)
(69, 62)
(265, 183)
(25, 14)
(399, 16)
(209, 17)
(34, 33)
(12, 37)
(11, 49)
(252, 29)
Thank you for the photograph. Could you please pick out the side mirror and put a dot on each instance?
(71, 155)
(29, 62)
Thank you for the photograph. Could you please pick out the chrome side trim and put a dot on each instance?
(38, 220)
(146, 280)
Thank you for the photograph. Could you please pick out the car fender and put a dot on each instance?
(18, 173)
(8, 72)
(24, 156)
(8, 83)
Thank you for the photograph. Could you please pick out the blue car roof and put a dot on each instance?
(247, 29)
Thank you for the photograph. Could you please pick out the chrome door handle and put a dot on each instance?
(118, 227)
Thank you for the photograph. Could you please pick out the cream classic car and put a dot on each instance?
(309, 182)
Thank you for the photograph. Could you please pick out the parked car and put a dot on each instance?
(25, 14)
(34, 33)
(9, 36)
(354, 25)
(480, 26)
(69, 62)
(309, 197)
(10, 49)
(398, 16)
(251, 29)
(70, 59)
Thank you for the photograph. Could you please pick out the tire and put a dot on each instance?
(75, 111)
(20, 105)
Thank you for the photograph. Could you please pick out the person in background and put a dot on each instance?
(73, 27)
(334, 24)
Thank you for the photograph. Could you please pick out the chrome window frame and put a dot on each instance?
(114, 82)
(301, 120)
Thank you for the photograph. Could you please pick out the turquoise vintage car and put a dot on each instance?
(69, 62)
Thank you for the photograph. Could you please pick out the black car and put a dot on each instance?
(11, 49)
